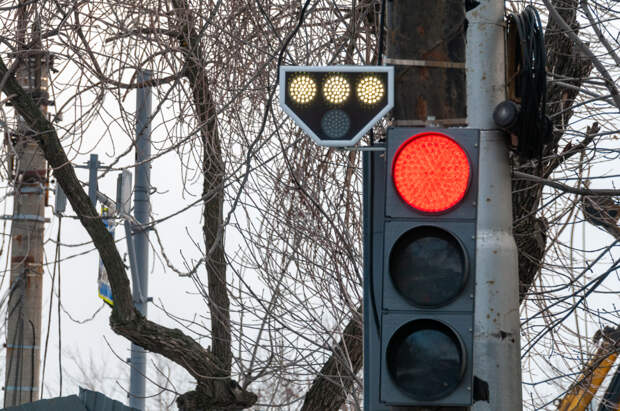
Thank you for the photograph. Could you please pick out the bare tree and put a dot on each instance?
(558, 291)
(284, 328)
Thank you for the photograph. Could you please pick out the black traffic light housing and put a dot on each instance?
(419, 282)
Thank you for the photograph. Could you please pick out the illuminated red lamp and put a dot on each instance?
(431, 172)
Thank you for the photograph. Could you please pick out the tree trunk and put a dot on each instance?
(329, 389)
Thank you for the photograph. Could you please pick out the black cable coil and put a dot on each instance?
(526, 118)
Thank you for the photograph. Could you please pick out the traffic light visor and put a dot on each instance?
(431, 172)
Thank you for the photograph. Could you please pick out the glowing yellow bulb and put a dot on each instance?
(302, 89)
(336, 89)
(370, 90)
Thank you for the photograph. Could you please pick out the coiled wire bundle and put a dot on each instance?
(524, 114)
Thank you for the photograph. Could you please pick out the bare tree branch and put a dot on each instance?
(125, 319)
(564, 187)
(609, 82)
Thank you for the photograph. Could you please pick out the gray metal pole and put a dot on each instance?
(141, 237)
(93, 167)
(123, 198)
(496, 332)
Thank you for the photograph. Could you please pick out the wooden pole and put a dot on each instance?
(30, 179)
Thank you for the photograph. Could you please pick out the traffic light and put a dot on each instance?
(336, 105)
(420, 243)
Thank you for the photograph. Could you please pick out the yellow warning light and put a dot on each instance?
(370, 90)
(336, 89)
(302, 89)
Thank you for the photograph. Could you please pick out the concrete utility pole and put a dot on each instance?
(142, 209)
(30, 179)
(497, 362)
(443, 81)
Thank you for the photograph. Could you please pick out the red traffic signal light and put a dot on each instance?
(431, 172)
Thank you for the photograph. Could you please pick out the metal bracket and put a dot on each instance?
(25, 347)
(432, 122)
(424, 63)
(20, 388)
(363, 148)
(32, 190)
(25, 217)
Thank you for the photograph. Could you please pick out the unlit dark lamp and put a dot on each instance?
(428, 266)
(425, 359)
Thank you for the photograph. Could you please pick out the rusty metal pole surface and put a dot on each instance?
(496, 331)
(26, 278)
(425, 41)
